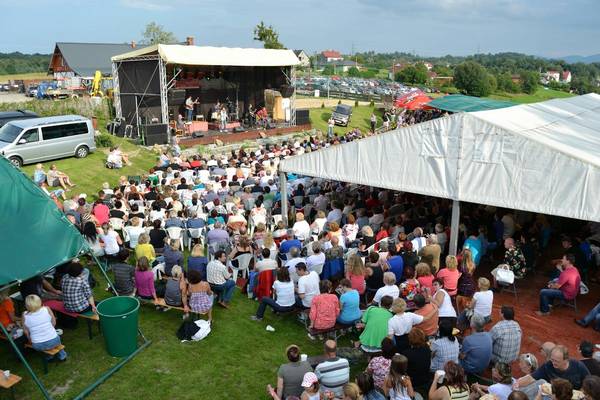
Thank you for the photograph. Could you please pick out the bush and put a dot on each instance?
(339, 102)
(104, 140)
(323, 105)
(372, 103)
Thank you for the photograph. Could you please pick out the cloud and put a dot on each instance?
(148, 5)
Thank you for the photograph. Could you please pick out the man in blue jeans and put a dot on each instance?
(593, 317)
(565, 288)
(219, 278)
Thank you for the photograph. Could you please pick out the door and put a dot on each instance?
(29, 146)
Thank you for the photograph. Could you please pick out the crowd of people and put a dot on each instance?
(363, 259)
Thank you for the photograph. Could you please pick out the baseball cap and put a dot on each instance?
(309, 379)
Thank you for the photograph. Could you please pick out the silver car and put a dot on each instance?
(40, 139)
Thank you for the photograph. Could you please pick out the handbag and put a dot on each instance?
(505, 276)
(187, 330)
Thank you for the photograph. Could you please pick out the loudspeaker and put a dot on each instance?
(176, 96)
(302, 116)
(286, 90)
(155, 134)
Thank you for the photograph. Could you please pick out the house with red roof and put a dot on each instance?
(331, 55)
(566, 77)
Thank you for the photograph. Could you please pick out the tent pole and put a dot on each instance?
(284, 197)
(27, 366)
(454, 227)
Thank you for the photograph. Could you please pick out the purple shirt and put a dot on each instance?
(144, 283)
(217, 236)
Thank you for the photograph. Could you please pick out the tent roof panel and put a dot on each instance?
(206, 55)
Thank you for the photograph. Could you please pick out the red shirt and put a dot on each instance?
(101, 212)
(6, 308)
(426, 282)
(569, 281)
(450, 278)
(324, 310)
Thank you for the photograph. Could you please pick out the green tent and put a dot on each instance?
(38, 236)
(461, 103)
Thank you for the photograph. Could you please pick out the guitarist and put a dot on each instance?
(189, 107)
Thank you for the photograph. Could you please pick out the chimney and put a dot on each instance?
(189, 41)
(133, 44)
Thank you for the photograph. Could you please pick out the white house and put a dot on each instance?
(566, 77)
(303, 57)
(331, 56)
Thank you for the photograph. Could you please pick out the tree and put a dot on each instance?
(416, 74)
(492, 82)
(472, 79)
(530, 81)
(353, 71)
(155, 34)
(506, 84)
(442, 70)
(268, 36)
(328, 70)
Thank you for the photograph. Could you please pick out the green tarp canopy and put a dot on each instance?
(36, 235)
(461, 103)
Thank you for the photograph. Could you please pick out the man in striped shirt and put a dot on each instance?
(333, 372)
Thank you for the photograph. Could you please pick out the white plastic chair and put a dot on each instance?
(177, 234)
(194, 233)
(117, 224)
(243, 261)
(276, 219)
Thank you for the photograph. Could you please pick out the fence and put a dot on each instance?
(336, 94)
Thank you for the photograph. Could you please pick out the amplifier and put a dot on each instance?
(176, 96)
(302, 116)
(155, 134)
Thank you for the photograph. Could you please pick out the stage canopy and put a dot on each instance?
(38, 236)
(459, 102)
(542, 157)
(205, 55)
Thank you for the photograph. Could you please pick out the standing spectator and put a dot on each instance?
(476, 352)
(398, 385)
(559, 366)
(430, 254)
(419, 358)
(379, 366)
(334, 371)
(38, 325)
(373, 121)
(77, 294)
(445, 348)
(291, 375)
(565, 288)
(450, 275)
(330, 125)
(324, 308)
(506, 337)
(219, 278)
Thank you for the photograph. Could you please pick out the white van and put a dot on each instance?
(40, 139)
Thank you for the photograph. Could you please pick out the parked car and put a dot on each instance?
(40, 139)
(8, 116)
(341, 115)
(32, 91)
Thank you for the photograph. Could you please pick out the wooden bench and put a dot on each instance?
(337, 331)
(10, 382)
(50, 352)
(161, 303)
(89, 316)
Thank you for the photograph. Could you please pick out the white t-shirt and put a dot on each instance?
(266, 264)
(501, 390)
(387, 290)
(285, 293)
(309, 286)
(483, 303)
(402, 324)
(291, 266)
(315, 259)
(301, 230)
(110, 242)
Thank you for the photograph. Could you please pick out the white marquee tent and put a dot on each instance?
(542, 157)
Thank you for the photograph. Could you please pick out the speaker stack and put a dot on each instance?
(176, 97)
(302, 116)
(155, 134)
(286, 90)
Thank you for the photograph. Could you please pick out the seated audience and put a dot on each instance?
(175, 288)
(375, 320)
(390, 288)
(476, 352)
(419, 358)
(527, 364)
(502, 388)
(219, 279)
(172, 256)
(367, 388)
(267, 263)
(454, 383)
(379, 366)
(402, 322)
(355, 272)
(586, 349)
(324, 308)
(565, 288)
(333, 372)
(124, 274)
(76, 291)
(428, 326)
(450, 275)
(441, 299)
(349, 304)
(506, 337)
(592, 317)
(144, 248)
(144, 280)
(445, 348)
(201, 298)
(481, 304)
(197, 261)
(398, 385)
(308, 286)
(424, 277)
(591, 387)
(291, 375)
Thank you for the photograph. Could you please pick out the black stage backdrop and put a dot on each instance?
(139, 81)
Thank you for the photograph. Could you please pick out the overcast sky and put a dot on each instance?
(428, 27)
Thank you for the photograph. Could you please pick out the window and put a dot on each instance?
(61, 131)
(488, 148)
(32, 135)
(435, 143)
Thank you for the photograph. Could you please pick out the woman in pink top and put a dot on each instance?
(355, 272)
(144, 280)
(324, 308)
(450, 275)
(424, 277)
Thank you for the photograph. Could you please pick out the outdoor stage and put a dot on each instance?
(210, 137)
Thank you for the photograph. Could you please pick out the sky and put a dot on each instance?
(549, 28)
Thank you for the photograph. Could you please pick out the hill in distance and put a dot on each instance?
(582, 59)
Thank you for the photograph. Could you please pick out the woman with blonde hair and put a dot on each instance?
(424, 277)
(402, 322)
(269, 243)
(450, 275)
(355, 272)
(350, 230)
(144, 248)
(259, 232)
(38, 325)
(367, 240)
(301, 228)
(466, 283)
(334, 230)
(197, 261)
(351, 392)
(319, 223)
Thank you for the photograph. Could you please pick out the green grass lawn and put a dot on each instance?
(542, 94)
(361, 116)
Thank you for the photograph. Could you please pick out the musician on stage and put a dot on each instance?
(189, 107)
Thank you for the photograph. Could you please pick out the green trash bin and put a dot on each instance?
(119, 322)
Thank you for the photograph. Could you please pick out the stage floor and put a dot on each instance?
(233, 137)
